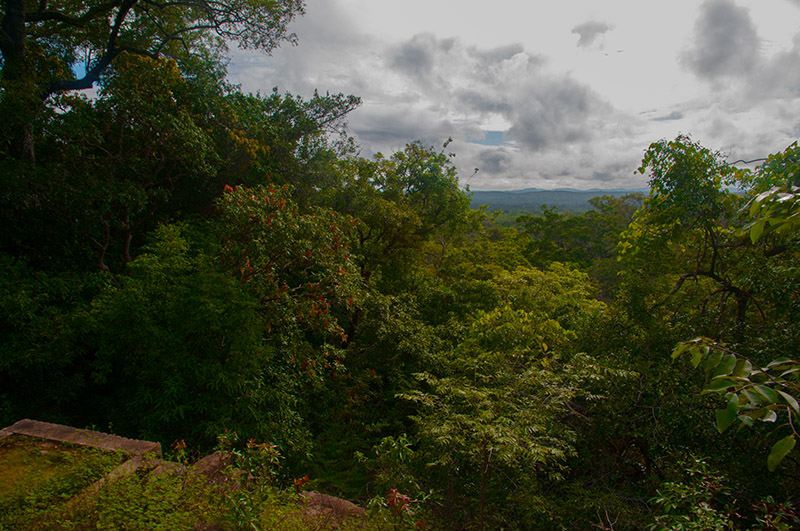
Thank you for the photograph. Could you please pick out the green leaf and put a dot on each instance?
(743, 368)
(752, 397)
(791, 401)
(779, 450)
(712, 360)
(718, 384)
(726, 416)
(767, 393)
(679, 349)
(725, 367)
(697, 356)
(769, 416)
(757, 230)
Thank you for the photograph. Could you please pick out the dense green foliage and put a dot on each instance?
(180, 259)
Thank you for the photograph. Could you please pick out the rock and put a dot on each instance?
(318, 504)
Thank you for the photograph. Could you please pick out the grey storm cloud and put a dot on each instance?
(483, 102)
(543, 108)
(779, 76)
(493, 161)
(391, 128)
(589, 31)
(603, 176)
(726, 41)
(557, 112)
(417, 56)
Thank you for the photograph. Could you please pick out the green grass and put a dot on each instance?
(38, 477)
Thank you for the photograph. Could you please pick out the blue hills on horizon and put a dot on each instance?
(532, 199)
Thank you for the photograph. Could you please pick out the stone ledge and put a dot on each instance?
(95, 439)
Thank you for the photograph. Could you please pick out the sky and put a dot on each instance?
(548, 94)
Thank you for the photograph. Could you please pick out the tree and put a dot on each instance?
(687, 224)
(111, 168)
(581, 240)
(500, 401)
(42, 47)
(755, 393)
(401, 203)
(159, 140)
(287, 140)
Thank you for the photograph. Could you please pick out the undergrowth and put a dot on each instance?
(43, 487)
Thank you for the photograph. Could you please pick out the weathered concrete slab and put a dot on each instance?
(58, 432)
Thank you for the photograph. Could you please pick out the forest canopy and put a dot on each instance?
(180, 260)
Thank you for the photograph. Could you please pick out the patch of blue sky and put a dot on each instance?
(491, 138)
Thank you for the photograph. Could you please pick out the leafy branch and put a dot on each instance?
(753, 393)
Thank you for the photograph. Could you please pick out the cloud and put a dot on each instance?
(389, 128)
(726, 42)
(755, 95)
(501, 53)
(779, 76)
(589, 32)
(552, 122)
(416, 57)
(327, 38)
(556, 111)
(555, 130)
(473, 86)
(494, 161)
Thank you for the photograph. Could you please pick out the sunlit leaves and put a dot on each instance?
(687, 181)
(775, 211)
(689, 213)
(500, 399)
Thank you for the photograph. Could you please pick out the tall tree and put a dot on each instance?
(43, 46)
(688, 222)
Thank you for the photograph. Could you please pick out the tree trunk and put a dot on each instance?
(20, 101)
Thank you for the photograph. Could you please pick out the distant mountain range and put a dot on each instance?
(532, 199)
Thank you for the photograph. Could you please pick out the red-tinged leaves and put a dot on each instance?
(295, 260)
